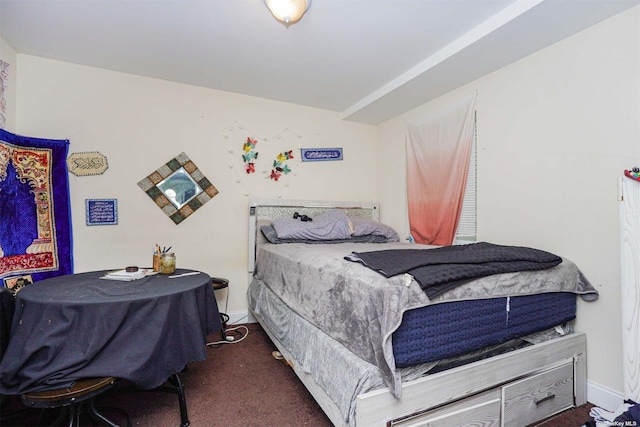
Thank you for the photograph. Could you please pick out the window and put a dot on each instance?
(466, 232)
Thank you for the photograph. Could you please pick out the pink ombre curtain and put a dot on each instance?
(438, 154)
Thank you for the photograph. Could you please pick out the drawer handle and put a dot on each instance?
(544, 399)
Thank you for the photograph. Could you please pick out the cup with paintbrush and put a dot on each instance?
(156, 258)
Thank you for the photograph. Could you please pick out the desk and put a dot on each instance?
(79, 326)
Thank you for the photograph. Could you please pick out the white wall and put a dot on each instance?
(141, 123)
(8, 55)
(555, 131)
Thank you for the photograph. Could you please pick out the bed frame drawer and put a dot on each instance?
(538, 396)
(483, 409)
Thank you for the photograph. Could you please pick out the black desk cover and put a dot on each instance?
(78, 326)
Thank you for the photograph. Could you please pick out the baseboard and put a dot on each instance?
(603, 397)
(243, 316)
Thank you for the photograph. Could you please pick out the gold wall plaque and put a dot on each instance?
(87, 163)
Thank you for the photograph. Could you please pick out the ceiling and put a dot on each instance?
(368, 60)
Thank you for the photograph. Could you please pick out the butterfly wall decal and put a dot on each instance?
(279, 167)
(249, 155)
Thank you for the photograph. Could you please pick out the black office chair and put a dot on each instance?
(73, 401)
(7, 307)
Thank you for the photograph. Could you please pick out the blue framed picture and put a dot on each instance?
(320, 154)
(101, 211)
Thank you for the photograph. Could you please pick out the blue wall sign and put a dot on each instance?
(102, 211)
(320, 154)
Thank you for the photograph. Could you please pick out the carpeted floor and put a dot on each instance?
(239, 385)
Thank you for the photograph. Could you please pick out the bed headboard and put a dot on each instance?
(265, 210)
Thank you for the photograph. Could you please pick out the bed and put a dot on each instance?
(372, 350)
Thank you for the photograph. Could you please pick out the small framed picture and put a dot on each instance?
(102, 211)
(16, 283)
(320, 154)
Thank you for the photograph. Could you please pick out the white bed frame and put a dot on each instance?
(512, 389)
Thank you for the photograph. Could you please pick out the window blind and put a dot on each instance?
(466, 232)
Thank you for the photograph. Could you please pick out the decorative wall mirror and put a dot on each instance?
(178, 188)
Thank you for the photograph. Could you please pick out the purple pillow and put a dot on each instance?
(329, 225)
(363, 227)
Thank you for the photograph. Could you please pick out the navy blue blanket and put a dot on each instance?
(441, 269)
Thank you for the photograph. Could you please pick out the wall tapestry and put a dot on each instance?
(35, 211)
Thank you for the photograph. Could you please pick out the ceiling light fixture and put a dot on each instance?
(288, 11)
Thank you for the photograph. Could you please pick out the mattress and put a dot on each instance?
(361, 309)
(451, 329)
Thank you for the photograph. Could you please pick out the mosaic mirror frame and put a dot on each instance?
(154, 184)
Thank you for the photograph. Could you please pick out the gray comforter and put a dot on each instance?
(359, 308)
